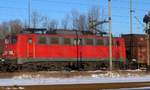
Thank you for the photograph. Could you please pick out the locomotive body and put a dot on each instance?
(61, 51)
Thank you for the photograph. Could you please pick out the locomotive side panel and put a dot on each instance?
(58, 51)
(44, 51)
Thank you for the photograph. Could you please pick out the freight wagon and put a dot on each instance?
(136, 50)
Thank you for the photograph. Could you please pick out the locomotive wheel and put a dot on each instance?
(86, 66)
(29, 67)
(53, 68)
(11, 68)
(39, 68)
(67, 68)
(0, 68)
(98, 67)
(4, 68)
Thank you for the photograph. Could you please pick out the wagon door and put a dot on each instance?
(30, 48)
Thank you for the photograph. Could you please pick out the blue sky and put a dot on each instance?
(57, 9)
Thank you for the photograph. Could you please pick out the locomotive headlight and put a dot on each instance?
(11, 52)
(2, 60)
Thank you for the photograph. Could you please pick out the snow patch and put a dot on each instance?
(108, 77)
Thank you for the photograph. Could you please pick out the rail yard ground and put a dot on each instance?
(74, 80)
(102, 86)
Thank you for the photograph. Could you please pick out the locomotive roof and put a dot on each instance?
(133, 35)
(61, 31)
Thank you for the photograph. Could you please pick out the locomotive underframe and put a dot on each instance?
(51, 64)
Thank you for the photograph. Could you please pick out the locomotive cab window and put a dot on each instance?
(14, 40)
(11, 40)
(42, 40)
(106, 41)
(6, 41)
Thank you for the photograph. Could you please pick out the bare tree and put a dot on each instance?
(49, 24)
(1, 32)
(82, 23)
(94, 14)
(46, 22)
(93, 17)
(65, 22)
(79, 21)
(16, 26)
(25, 24)
(4, 30)
(53, 24)
(75, 19)
(36, 19)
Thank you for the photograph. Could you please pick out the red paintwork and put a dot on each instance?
(24, 50)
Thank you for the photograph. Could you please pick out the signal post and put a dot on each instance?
(146, 20)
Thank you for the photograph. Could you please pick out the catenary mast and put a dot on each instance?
(110, 36)
(29, 12)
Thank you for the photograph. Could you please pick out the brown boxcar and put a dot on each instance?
(136, 49)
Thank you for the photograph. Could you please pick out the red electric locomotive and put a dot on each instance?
(61, 50)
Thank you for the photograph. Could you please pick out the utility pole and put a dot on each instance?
(131, 46)
(148, 57)
(148, 43)
(131, 16)
(146, 20)
(29, 12)
(110, 36)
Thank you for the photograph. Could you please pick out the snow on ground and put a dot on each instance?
(108, 77)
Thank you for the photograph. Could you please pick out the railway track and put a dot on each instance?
(102, 86)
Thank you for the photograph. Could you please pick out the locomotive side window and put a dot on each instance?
(106, 41)
(99, 42)
(42, 40)
(89, 41)
(67, 41)
(14, 40)
(78, 41)
(30, 40)
(54, 40)
(6, 41)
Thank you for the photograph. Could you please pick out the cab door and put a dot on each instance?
(30, 47)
